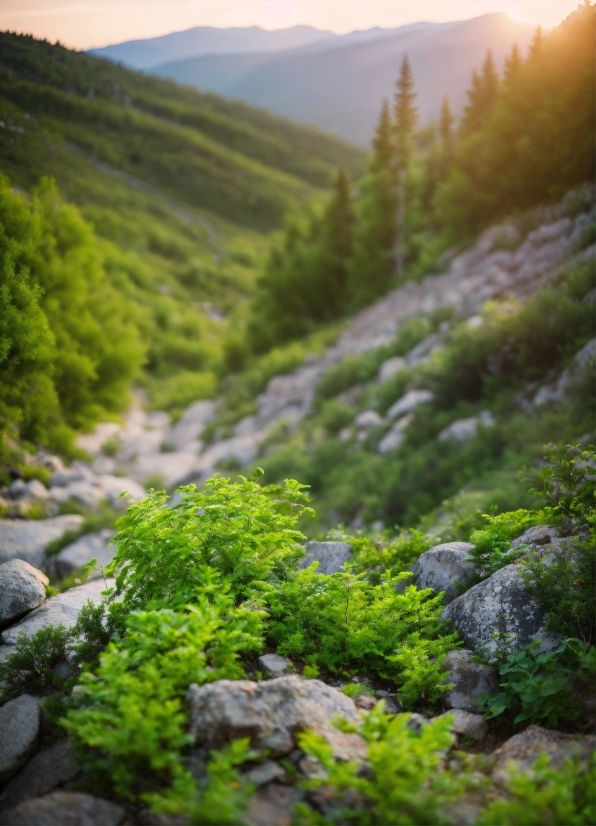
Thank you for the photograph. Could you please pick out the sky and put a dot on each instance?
(84, 23)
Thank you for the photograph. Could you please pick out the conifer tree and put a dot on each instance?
(446, 127)
(406, 118)
(536, 45)
(383, 140)
(339, 218)
(513, 64)
(482, 96)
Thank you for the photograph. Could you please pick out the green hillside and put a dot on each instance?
(180, 190)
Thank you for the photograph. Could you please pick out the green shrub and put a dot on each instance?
(178, 391)
(564, 796)
(406, 781)
(128, 720)
(492, 545)
(30, 668)
(347, 625)
(240, 529)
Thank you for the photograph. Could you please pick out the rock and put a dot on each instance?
(113, 486)
(390, 368)
(273, 806)
(276, 665)
(271, 714)
(537, 535)
(241, 449)
(525, 748)
(78, 553)
(470, 680)
(365, 702)
(22, 588)
(445, 568)
(64, 809)
(20, 721)
(462, 430)
(422, 350)
(185, 434)
(45, 771)
(63, 609)
(172, 468)
(395, 437)
(466, 723)
(264, 773)
(368, 418)
(409, 402)
(93, 442)
(501, 605)
(331, 556)
(27, 540)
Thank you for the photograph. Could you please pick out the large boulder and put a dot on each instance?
(499, 611)
(78, 553)
(64, 809)
(445, 568)
(20, 721)
(63, 609)
(22, 588)
(45, 771)
(470, 680)
(28, 539)
(523, 750)
(331, 556)
(271, 714)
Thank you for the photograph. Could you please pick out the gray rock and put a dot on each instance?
(62, 609)
(368, 418)
(463, 430)
(276, 665)
(390, 368)
(444, 568)
(331, 556)
(409, 402)
(537, 535)
(78, 553)
(470, 680)
(22, 588)
(466, 723)
(113, 486)
(395, 437)
(271, 713)
(422, 350)
(523, 750)
(264, 773)
(20, 721)
(27, 540)
(172, 467)
(64, 809)
(500, 605)
(45, 771)
(273, 805)
(242, 449)
(185, 434)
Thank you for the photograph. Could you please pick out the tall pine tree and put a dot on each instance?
(406, 118)
(482, 96)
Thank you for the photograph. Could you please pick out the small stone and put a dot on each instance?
(463, 430)
(331, 556)
(273, 805)
(276, 665)
(390, 368)
(470, 680)
(265, 772)
(394, 437)
(45, 771)
(466, 724)
(409, 402)
(537, 535)
(365, 702)
(20, 721)
(445, 568)
(312, 768)
(64, 809)
(368, 418)
(416, 722)
(22, 588)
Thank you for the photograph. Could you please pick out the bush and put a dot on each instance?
(31, 667)
(492, 545)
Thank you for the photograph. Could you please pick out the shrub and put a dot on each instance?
(30, 668)
(492, 545)
(347, 625)
(239, 529)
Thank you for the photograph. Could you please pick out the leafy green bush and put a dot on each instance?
(240, 529)
(140, 686)
(31, 667)
(349, 626)
(564, 796)
(492, 545)
(406, 783)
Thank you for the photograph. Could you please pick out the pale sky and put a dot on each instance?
(85, 23)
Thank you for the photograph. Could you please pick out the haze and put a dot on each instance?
(85, 23)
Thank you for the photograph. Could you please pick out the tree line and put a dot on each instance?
(525, 136)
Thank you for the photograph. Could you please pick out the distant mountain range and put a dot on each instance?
(334, 82)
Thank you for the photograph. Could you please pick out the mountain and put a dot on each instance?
(201, 40)
(338, 84)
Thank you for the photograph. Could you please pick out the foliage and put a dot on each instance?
(30, 668)
(537, 686)
(239, 529)
(566, 480)
(406, 782)
(140, 685)
(562, 796)
(492, 545)
(349, 626)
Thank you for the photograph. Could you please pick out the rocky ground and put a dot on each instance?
(41, 780)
